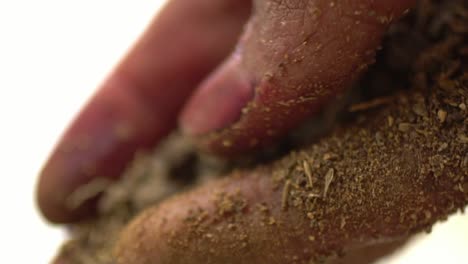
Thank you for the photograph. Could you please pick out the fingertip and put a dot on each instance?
(99, 143)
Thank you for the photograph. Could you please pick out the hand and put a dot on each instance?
(371, 192)
(292, 58)
(267, 68)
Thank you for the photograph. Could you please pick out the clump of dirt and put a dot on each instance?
(426, 53)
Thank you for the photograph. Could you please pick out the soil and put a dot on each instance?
(419, 84)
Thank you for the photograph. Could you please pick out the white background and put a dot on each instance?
(53, 53)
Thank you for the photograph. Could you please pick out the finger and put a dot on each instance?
(293, 57)
(138, 104)
(353, 188)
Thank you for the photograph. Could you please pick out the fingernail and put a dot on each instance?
(219, 100)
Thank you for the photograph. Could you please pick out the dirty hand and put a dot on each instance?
(291, 59)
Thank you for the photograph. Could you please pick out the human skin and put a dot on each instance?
(384, 188)
(293, 58)
(391, 179)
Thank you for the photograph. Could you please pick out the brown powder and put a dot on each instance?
(343, 168)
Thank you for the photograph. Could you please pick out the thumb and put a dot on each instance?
(293, 57)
